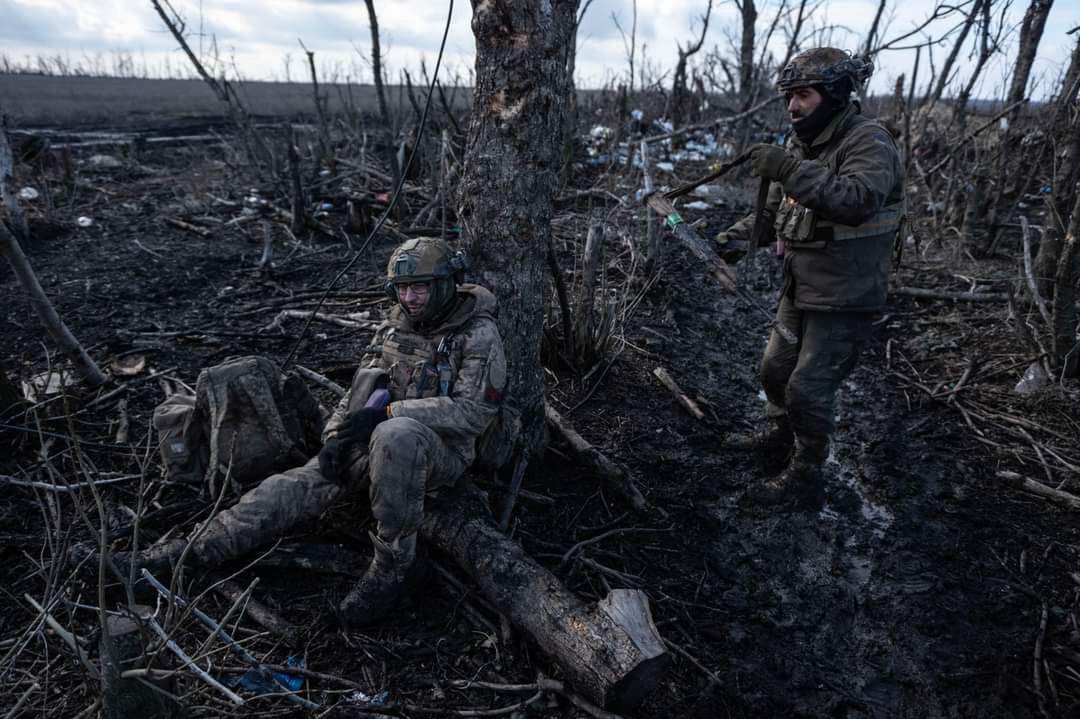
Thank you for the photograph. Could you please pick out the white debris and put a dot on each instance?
(600, 133)
(665, 167)
(637, 115)
(84, 221)
(105, 162)
(697, 205)
(1034, 379)
(28, 193)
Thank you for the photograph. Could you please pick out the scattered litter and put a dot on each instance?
(84, 221)
(637, 115)
(600, 133)
(697, 205)
(128, 366)
(45, 385)
(665, 166)
(262, 681)
(324, 173)
(1034, 379)
(376, 700)
(28, 193)
(105, 162)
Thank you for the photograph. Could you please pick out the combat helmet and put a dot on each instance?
(837, 72)
(427, 259)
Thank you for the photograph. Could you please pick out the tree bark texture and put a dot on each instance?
(61, 335)
(1065, 314)
(16, 218)
(511, 173)
(610, 650)
(1031, 31)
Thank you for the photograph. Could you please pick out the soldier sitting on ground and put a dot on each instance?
(439, 357)
(837, 197)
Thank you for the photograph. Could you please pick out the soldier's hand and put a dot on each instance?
(772, 162)
(360, 423)
(332, 458)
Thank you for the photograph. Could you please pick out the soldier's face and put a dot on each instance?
(801, 102)
(414, 296)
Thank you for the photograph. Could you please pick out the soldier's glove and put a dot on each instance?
(332, 458)
(772, 162)
(354, 430)
(359, 424)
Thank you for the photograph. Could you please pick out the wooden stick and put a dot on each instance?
(1029, 272)
(617, 475)
(219, 631)
(261, 614)
(64, 634)
(953, 296)
(176, 222)
(1057, 496)
(190, 663)
(688, 404)
(25, 695)
(64, 487)
(321, 380)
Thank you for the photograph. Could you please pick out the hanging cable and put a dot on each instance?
(393, 198)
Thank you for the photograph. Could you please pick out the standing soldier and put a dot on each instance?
(440, 359)
(836, 202)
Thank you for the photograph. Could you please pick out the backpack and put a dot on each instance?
(246, 417)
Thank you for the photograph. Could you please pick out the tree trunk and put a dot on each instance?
(376, 63)
(61, 335)
(16, 218)
(609, 650)
(1031, 31)
(746, 66)
(946, 70)
(1066, 348)
(511, 171)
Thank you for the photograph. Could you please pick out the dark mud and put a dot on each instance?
(916, 591)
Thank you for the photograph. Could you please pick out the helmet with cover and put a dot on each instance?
(430, 260)
(835, 73)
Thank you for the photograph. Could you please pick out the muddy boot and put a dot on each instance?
(392, 572)
(773, 442)
(799, 487)
(160, 558)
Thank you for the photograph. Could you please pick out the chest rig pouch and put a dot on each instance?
(420, 367)
(797, 224)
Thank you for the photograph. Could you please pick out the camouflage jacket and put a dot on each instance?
(838, 214)
(451, 378)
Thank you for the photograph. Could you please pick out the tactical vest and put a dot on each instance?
(420, 366)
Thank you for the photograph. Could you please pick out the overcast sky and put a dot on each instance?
(260, 37)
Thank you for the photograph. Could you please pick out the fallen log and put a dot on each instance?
(926, 294)
(610, 650)
(617, 475)
(1057, 496)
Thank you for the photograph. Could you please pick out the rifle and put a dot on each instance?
(705, 252)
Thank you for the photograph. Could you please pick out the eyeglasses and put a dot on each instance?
(417, 288)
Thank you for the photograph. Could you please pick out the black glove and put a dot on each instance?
(331, 460)
(354, 430)
(772, 162)
(360, 423)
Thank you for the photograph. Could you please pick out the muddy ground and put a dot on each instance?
(917, 591)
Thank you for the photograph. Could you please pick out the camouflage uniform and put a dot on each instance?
(836, 214)
(426, 444)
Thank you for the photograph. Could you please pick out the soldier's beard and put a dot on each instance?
(810, 126)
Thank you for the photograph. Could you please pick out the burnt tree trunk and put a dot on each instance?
(610, 650)
(748, 11)
(376, 63)
(1065, 345)
(511, 173)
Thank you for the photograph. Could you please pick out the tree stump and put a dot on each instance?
(133, 698)
(610, 650)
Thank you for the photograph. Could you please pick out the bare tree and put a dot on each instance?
(989, 42)
(678, 87)
(868, 46)
(510, 175)
(1031, 32)
(376, 63)
(629, 41)
(946, 74)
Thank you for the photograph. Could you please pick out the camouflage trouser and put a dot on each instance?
(801, 380)
(405, 461)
